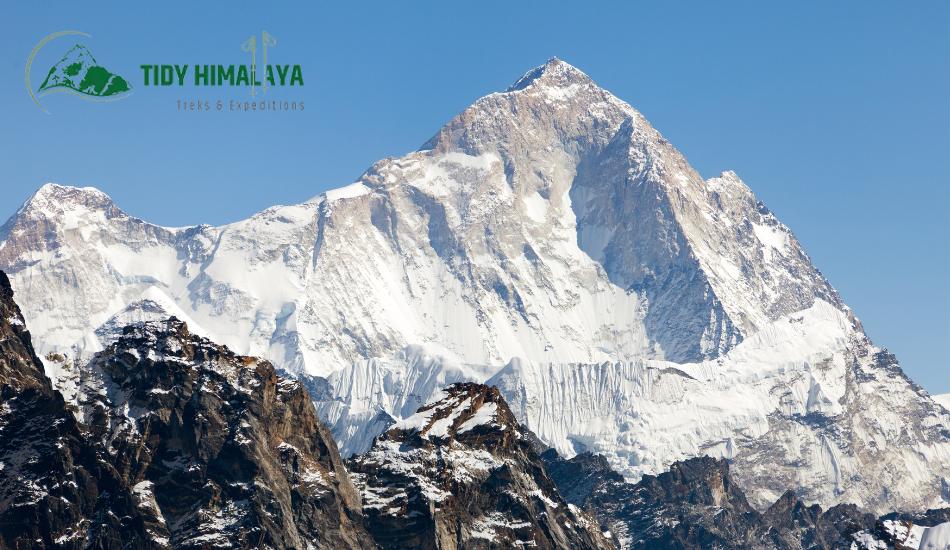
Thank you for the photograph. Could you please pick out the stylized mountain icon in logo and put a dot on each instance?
(79, 72)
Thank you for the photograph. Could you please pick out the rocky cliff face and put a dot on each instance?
(57, 490)
(462, 473)
(217, 447)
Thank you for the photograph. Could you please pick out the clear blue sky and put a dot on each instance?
(837, 114)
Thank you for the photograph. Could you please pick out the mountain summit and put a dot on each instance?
(549, 240)
(553, 73)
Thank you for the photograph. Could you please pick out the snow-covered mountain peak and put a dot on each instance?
(545, 211)
(550, 223)
(555, 105)
(554, 72)
(52, 200)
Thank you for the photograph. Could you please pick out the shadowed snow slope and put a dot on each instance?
(642, 311)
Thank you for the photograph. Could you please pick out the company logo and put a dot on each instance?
(80, 74)
(77, 72)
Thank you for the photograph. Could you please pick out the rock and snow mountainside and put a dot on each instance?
(547, 239)
(182, 444)
(462, 473)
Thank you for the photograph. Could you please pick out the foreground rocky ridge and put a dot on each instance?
(221, 452)
(56, 488)
(462, 473)
(182, 444)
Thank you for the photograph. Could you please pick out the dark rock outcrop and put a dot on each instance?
(462, 473)
(56, 488)
(220, 451)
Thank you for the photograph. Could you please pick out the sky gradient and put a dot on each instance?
(835, 114)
